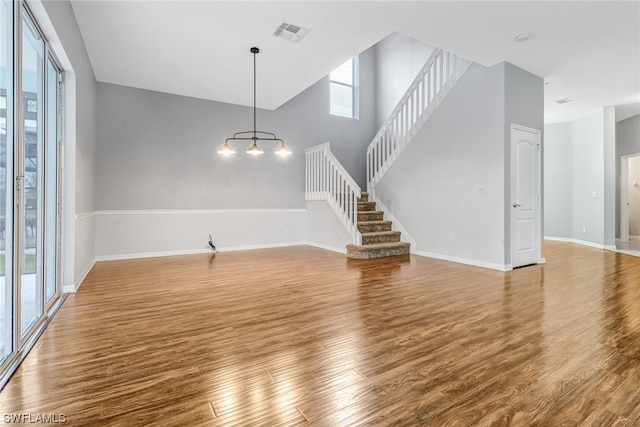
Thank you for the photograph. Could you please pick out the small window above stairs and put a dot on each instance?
(378, 240)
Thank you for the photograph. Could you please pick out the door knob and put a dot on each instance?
(516, 205)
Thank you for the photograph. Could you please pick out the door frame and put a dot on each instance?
(538, 189)
(624, 196)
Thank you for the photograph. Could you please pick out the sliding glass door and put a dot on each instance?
(52, 174)
(30, 136)
(6, 179)
(32, 165)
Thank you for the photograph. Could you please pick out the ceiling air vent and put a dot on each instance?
(290, 32)
(563, 101)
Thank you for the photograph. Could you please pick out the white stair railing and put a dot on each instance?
(326, 179)
(436, 78)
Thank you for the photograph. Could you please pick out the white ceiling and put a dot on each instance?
(586, 51)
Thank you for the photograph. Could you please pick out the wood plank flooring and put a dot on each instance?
(302, 336)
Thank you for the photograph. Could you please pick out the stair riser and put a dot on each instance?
(377, 253)
(370, 228)
(387, 238)
(370, 216)
(364, 197)
(366, 206)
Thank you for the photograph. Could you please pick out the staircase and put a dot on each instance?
(377, 238)
(326, 179)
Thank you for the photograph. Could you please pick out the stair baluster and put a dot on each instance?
(326, 179)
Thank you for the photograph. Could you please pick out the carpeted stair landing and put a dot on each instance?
(377, 238)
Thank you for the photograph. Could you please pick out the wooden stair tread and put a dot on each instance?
(380, 233)
(380, 245)
(376, 222)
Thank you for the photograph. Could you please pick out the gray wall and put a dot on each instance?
(63, 19)
(80, 146)
(558, 180)
(524, 106)
(431, 187)
(627, 142)
(158, 151)
(582, 152)
(398, 60)
(609, 158)
(588, 178)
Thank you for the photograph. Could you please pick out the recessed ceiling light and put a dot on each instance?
(563, 101)
(523, 37)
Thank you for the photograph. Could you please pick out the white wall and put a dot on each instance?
(134, 233)
(398, 60)
(324, 229)
(634, 196)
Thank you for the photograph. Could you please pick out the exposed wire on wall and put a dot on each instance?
(211, 243)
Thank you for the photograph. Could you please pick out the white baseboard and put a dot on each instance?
(195, 251)
(119, 257)
(579, 242)
(474, 263)
(396, 224)
(74, 288)
(327, 247)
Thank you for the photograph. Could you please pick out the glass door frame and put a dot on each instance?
(18, 345)
(22, 340)
(57, 265)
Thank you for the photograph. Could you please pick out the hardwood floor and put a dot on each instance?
(302, 336)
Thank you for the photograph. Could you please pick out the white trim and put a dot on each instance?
(538, 189)
(327, 247)
(85, 215)
(74, 287)
(192, 211)
(577, 241)
(624, 196)
(466, 261)
(195, 251)
(396, 224)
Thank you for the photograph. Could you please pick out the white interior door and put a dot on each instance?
(525, 196)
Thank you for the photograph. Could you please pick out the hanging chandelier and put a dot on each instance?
(254, 135)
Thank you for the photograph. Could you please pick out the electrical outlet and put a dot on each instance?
(451, 240)
(584, 229)
(287, 230)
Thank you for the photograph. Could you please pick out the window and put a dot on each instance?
(343, 90)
